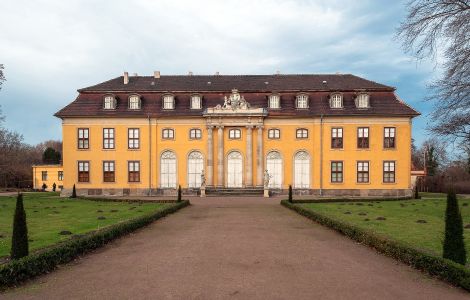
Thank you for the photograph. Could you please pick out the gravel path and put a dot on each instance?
(249, 248)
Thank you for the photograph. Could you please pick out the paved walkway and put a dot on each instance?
(235, 248)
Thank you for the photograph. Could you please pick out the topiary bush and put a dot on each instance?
(290, 193)
(454, 247)
(74, 192)
(179, 193)
(54, 186)
(44, 187)
(19, 241)
(417, 196)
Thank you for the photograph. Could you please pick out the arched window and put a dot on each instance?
(362, 100)
(302, 101)
(168, 101)
(168, 170)
(274, 167)
(336, 101)
(109, 102)
(302, 170)
(195, 167)
(134, 102)
(274, 101)
(196, 101)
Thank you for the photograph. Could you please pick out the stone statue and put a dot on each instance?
(203, 180)
(266, 179)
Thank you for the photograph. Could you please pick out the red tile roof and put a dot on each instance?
(255, 89)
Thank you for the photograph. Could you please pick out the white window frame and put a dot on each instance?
(196, 101)
(302, 170)
(389, 166)
(363, 100)
(274, 165)
(195, 168)
(336, 100)
(109, 102)
(301, 101)
(168, 170)
(274, 101)
(363, 166)
(133, 138)
(168, 102)
(134, 102)
(108, 138)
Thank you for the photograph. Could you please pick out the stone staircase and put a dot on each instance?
(247, 191)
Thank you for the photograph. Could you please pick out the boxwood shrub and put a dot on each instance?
(17, 271)
(436, 266)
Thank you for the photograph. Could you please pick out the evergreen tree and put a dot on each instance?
(290, 193)
(454, 247)
(54, 186)
(431, 161)
(74, 192)
(416, 192)
(19, 241)
(51, 156)
(179, 193)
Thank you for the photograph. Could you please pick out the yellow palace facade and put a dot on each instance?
(329, 135)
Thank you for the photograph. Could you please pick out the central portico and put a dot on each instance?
(235, 113)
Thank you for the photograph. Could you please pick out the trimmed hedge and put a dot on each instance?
(332, 200)
(15, 272)
(443, 268)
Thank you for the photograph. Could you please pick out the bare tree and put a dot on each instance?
(435, 28)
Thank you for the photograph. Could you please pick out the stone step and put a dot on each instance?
(234, 191)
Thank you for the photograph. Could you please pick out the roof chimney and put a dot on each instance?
(135, 74)
(156, 74)
(190, 73)
(278, 72)
(217, 73)
(126, 77)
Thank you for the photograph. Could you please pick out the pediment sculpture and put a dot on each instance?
(235, 101)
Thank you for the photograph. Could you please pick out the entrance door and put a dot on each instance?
(274, 167)
(234, 170)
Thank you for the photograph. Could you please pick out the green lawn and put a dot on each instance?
(47, 214)
(401, 219)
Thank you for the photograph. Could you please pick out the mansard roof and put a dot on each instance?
(244, 83)
(254, 88)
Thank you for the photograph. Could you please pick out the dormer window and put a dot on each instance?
(336, 101)
(109, 102)
(134, 102)
(302, 101)
(196, 102)
(168, 101)
(274, 101)
(362, 100)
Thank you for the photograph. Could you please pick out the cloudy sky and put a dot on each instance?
(52, 48)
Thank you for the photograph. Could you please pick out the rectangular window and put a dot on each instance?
(195, 134)
(133, 140)
(196, 102)
(363, 171)
(134, 171)
(44, 175)
(83, 171)
(83, 138)
(168, 134)
(337, 138)
(168, 102)
(389, 137)
(108, 171)
(234, 133)
(389, 171)
(363, 137)
(60, 175)
(301, 133)
(108, 138)
(274, 134)
(336, 171)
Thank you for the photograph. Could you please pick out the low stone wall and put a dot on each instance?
(330, 193)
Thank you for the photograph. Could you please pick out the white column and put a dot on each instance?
(249, 156)
(259, 157)
(220, 156)
(210, 157)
